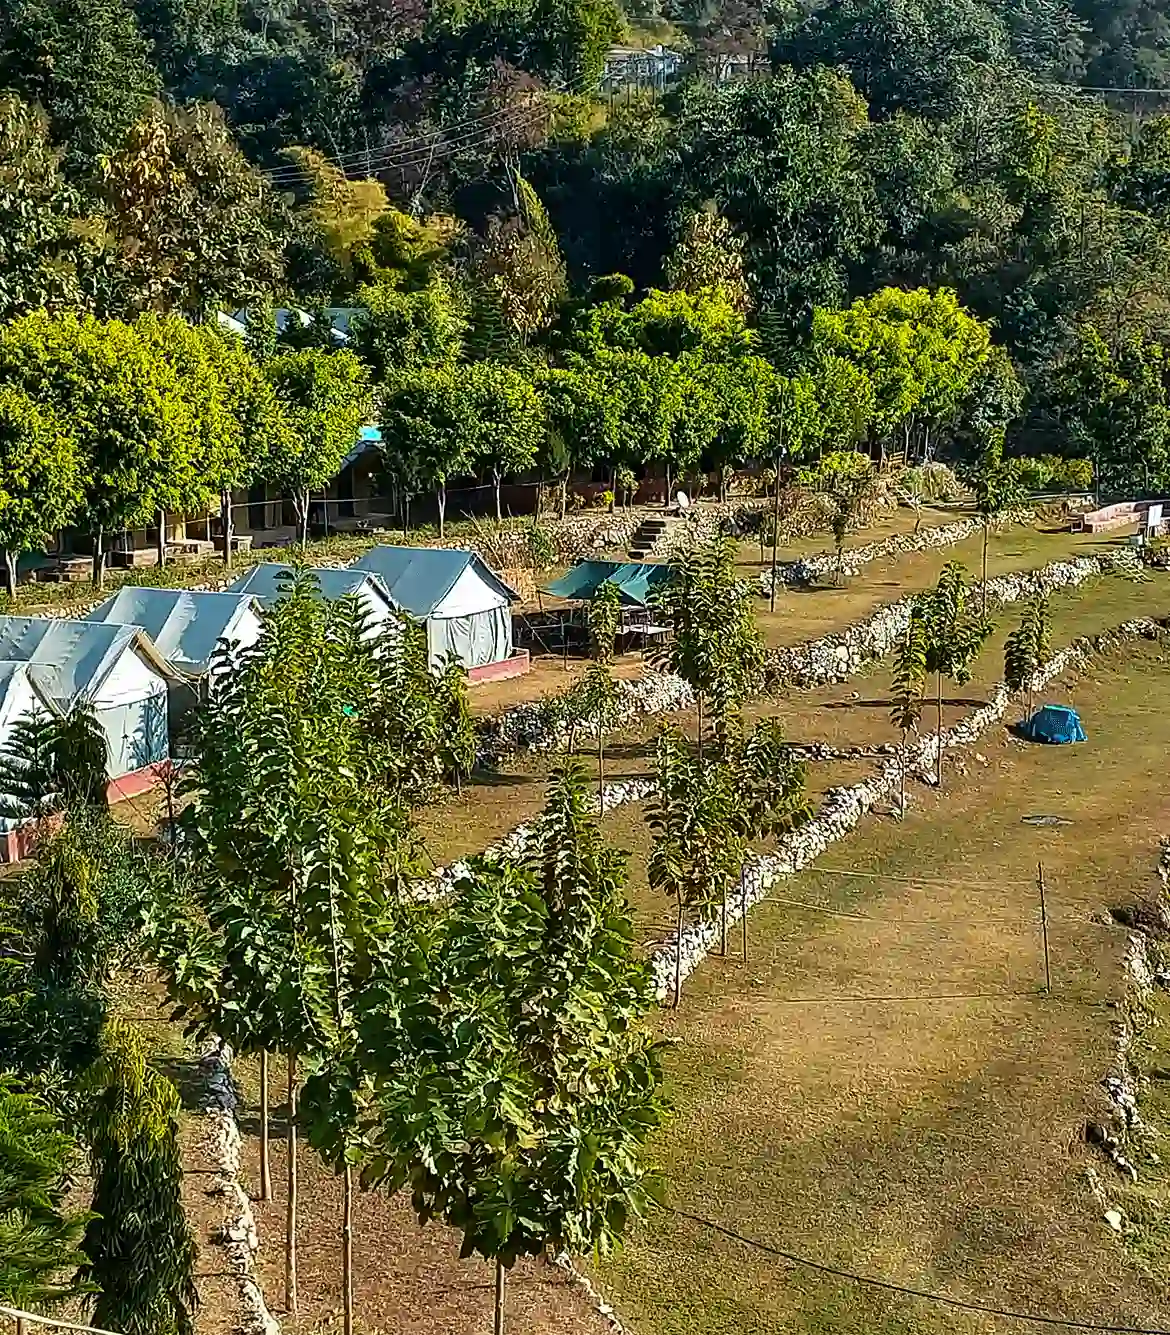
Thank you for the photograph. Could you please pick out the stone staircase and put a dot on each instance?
(648, 536)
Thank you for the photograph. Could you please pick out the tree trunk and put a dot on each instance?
(301, 508)
(564, 495)
(905, 761)
(290, 1217)
(161, 546)
(441, 498)
(699, 707)
(501, 1285)
(938, 758)
(601, 763)
(347, 1250)
(405, 518)
(678, 955)
(325, 511)
(743, 913)
(10, 572)
(225, 523)
(265, 1171)
(496, 479)
(775, 536)
(723, 923)
(99, 558)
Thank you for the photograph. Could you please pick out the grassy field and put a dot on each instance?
(888, 1092)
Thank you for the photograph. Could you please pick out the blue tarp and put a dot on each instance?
(1054, 723)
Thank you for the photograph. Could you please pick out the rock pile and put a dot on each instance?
(238, 1238)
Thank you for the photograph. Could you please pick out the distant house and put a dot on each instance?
(465, 607)
(187, 627)
(114, 669)
(264, 583)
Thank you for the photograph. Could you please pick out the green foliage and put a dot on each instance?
(40, 477)
(515, 1084)
(709, 257)
(140, 1248)
(604, 614)
(910, 668)
(39, 1252)
(407, 330)
(53, 763)
(325, 399)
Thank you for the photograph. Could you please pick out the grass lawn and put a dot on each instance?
(889, 1093)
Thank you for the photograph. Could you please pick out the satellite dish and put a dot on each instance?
(683, 501)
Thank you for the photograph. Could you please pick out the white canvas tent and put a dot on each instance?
(114, 669)
(186, 627)
(265, 582)
(464, 606)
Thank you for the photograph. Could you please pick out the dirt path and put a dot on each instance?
(935, 1141)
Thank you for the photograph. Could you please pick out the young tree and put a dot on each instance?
(508, 1033)
(40, 478)
(697, 845)
(909, 687)
(458, 741)
(1026, 648)
(954, 637)
(998, 487)
(39, 1239)
(325, 398)
(141, 1254)
(53, 762)
(715, 644)
(598, 690)
(709, 257)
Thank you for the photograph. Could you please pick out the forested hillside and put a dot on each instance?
(457, 170)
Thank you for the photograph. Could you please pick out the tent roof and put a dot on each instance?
(15, 682)
(419, 578)
(69, 660)
(634, 580)
(1057, 711)
(185, 626)
(263, 582)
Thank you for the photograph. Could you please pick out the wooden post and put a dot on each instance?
(265, 1177)
(564, 644)
(1044, 927)
(347, 1251)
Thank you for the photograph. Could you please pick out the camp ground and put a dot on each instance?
(465, 607)
(269, 580)
(635, 581)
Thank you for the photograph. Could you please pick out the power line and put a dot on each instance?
(872, 1281)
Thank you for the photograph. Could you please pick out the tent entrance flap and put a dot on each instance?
(476, 640)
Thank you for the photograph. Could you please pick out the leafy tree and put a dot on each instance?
(954, 637)
(697, 847)
(507, 425)
(325, 399)
(458, 741)
(909, 687)
(514, 1043)
(709, 257)
(1026, 648)
(41, 486)
(715, 644)
(122, 402)
(193, 224)
(997, 488)
(140, 1248)
(47, 244)
(584, 421)
(86, 63)
(39, 1251)
(407, 330)
(426, 430)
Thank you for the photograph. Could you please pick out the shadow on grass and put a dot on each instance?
(885, 704)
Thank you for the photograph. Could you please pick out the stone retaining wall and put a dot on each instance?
(238, 1237)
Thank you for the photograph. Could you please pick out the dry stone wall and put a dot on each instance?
(238, 1237)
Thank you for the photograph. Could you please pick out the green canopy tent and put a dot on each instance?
(635, 581)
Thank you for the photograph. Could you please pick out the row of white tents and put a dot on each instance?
(131, 658)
